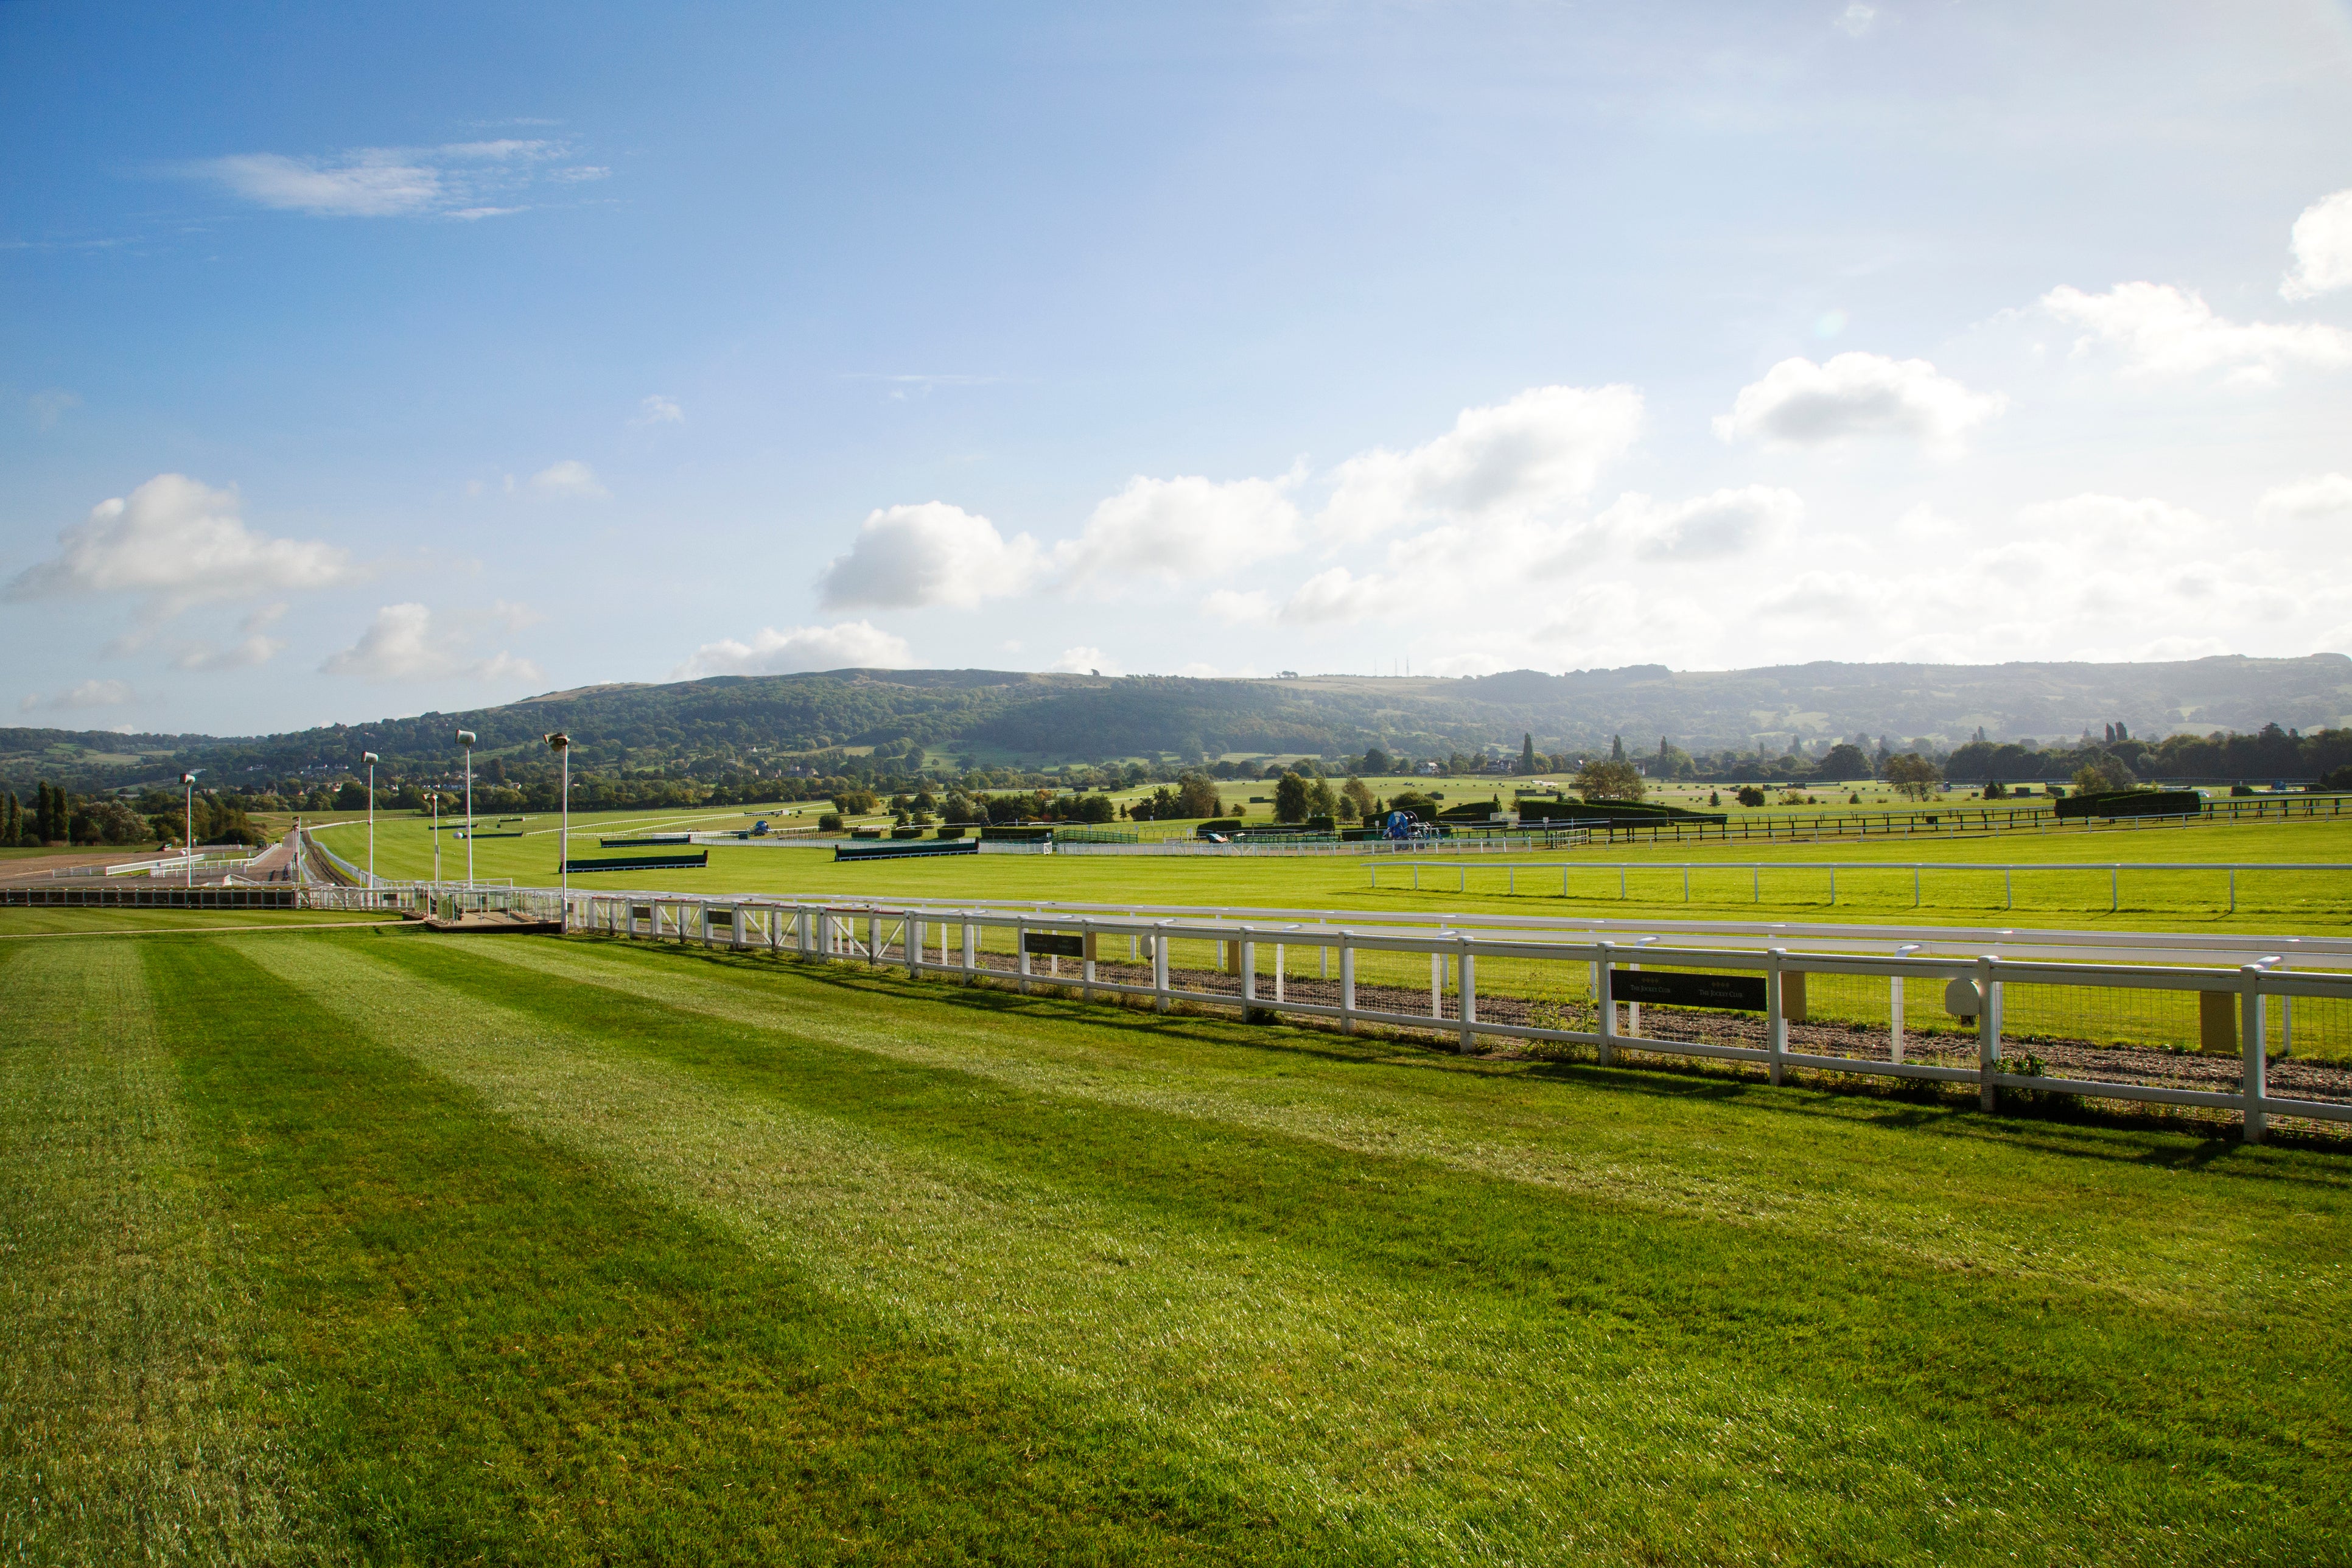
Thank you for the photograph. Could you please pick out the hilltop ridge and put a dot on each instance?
(982, 717)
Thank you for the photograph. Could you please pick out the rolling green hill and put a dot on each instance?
(973, 718)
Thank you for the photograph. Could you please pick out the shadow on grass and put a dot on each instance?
(2045, 1123)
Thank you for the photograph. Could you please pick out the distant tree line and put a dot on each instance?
(56, 815)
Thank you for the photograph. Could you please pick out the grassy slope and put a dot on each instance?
(2268, 901)
(570, 1251)
(19, 922)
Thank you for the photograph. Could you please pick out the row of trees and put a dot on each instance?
(2269, 753)
(56, 816)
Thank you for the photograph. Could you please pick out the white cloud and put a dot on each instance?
(1817, 596)
(1801, 404)
(1338, 595)
(88, 694)
(2163, 331)
(571, 479)
(659, 410)
(1254, 607)
(1086, 660)
(2322, 243)
(1538, 453)
(1855, 19)
(253, 647)
(850, 645)
(908, 556)
(2327, 495)
(179, 542)
(368, 183)
(402, 643)
(1171, 529)
(1721, 523)
(451, 180)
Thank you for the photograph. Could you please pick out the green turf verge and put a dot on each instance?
(507, 1355)
(1441, 1356)
(379, 1246)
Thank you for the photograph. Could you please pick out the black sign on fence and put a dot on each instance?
(1673, 988)
(1053, 942)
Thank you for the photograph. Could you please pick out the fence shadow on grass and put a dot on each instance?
(2038, 1125)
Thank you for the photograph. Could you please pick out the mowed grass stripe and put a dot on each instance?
(1678, 1348)
(965, 1250)
(2097, 1208)
(132, 1427)
(506, 1353)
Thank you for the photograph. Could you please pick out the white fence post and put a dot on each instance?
(1160, 999)
(1347, 984)
(1466, 967)
(1021, 947)
(1249, 977)
(1775, 1018)
(1988, 1035)
(2253, 1073)
(914, 946)
(1604, 999)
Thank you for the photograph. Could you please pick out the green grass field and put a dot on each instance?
(370, 1245)
(2267, 901)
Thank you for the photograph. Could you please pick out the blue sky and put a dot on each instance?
(357, 362)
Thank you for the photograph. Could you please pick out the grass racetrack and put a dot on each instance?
(2268, 900)
(363, 1245)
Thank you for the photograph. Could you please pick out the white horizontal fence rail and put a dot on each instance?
(165, 865)
(2307, 952)
(917, 938)
(1756, 869)
(348, 872)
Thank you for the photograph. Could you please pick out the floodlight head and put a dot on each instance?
(370, 758)
(190, 776)
(466, 737)
(557, 742)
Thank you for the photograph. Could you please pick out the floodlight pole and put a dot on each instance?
(465, 739)
(561, 745)
(434, 798)
(188, 782)
(370, 759)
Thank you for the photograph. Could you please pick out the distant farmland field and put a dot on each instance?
(366, 1245)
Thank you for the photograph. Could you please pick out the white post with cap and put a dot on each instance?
(188, 782)
(466, 739)
(370, 759)
(561, 744)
